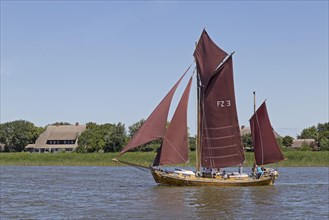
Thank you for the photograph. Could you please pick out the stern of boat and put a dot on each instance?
(274, 174)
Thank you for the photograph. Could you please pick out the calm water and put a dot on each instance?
(129, 193)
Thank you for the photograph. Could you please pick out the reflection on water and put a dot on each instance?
(127, 193)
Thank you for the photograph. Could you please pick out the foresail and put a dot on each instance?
(220, 140)
(174, 149)
(155, 125)
(266, 148)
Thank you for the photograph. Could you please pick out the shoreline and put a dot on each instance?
(294, 159)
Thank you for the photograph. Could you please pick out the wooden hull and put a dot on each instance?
(174, 179)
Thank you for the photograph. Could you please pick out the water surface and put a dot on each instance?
(129, 193)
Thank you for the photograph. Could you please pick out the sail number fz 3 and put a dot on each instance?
(223, 103)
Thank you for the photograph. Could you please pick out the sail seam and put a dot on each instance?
(218, 138)
(231, 155)
(219, 147)
(218, 128)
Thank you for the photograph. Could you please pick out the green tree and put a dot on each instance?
(60, 123)
(319, 133)
(17, 134)
(309, 133)
(91, 125)
(323, 128)
(106, 137)
(135, 127)
(247, 142)
(287, 141)
(324, 144)
(279, 140)
(192, 142)
(115, 139)
(90, 141)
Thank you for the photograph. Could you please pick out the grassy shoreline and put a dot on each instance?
(294, 159)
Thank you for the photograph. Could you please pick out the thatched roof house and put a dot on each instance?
(297, 143)
(57, 138)
(246, 130)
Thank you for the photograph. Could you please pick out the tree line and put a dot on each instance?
(15, 135)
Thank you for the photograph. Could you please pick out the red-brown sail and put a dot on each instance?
(207, 56)
(174, 149)
(221, 144)
(155, 125)
(220, 133)
(266, 148)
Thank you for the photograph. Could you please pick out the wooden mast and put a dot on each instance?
(252, 135)
(198, 138)
(254, 92)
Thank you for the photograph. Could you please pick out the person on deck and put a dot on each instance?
(224, 175)
(253, 170)
(259, 172)
(240, 169)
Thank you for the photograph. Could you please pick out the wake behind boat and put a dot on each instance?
(219, 143)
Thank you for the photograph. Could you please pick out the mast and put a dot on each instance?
(252, 134)
(254, 92)
(198, 138)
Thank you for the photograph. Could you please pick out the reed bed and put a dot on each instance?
(294, 159)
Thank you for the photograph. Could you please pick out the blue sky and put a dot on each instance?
(113, 61)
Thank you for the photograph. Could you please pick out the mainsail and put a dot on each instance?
(266, 148)
(155, 126)
(220, 139)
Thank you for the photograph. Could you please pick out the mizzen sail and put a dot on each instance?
(155, 125)
(266, 148)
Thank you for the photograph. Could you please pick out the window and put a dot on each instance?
(60, 141)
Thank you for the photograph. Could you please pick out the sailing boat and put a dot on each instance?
(219, 143)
